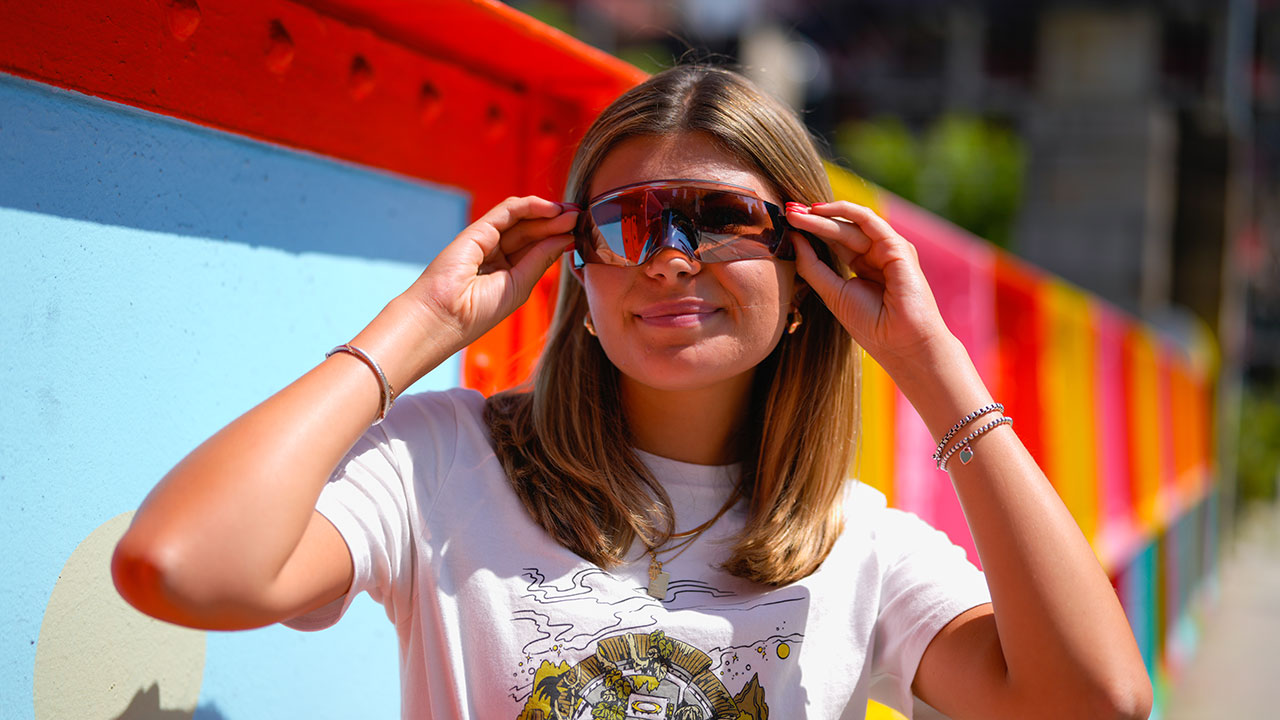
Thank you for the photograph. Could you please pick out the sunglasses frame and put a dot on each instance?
(582, 232)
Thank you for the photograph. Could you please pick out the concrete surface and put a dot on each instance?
(1235, 671)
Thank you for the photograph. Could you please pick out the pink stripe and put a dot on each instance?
(960, 269)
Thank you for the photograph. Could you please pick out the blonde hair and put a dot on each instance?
(565, 444)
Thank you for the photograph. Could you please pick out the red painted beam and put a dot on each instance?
(469, 94)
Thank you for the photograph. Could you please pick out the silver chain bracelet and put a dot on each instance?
(993, 407)
(966, 452)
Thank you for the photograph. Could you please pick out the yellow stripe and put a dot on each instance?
(1144, 428)
(876, 711)
(1067, 387)
(875, 456)
(848, 186)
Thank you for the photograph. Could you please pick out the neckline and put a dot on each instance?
(678, 472)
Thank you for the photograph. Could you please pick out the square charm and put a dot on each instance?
(658, 584)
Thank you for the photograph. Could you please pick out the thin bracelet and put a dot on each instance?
(966, 452)
(993, 407)
(387, 395)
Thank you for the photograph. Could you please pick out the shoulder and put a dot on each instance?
(891, 532)
(458, 406)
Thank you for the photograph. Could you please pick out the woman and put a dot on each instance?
(662, 526)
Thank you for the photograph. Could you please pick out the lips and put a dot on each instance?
(677, 313)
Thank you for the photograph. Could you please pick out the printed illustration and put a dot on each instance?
(612, 659)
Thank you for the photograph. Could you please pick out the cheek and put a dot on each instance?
(765, 296)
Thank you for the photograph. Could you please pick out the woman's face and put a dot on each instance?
(675, 323)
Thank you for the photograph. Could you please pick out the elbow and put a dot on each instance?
(138, 576)
(159, 580)
(1125, 699)
(148, 575)
(142, 575)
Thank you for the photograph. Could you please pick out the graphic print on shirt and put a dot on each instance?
(596, 655)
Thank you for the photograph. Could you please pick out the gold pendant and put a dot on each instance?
(658, 584)
(658, 579)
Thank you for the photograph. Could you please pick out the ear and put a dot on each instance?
(800, 292)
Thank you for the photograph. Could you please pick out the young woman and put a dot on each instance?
(662, 527)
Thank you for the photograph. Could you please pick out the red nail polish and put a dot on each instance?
(568, 206)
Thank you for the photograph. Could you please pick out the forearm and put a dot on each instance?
(225, 520)
(1061, 628)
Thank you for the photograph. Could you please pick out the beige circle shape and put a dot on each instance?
(99, 659)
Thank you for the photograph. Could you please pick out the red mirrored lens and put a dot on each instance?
(709, 221)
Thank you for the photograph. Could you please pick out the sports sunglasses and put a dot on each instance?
(707, 221)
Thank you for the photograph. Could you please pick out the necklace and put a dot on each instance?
(658, 578)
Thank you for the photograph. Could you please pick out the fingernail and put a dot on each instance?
(569, 207)
(797, 208)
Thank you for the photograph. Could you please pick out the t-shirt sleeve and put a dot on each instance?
(926, 582)
(375, 493)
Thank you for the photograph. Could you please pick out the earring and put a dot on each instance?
(796, 320)
(586, 323)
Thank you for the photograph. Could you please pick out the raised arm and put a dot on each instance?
(1054, 642)
(230, 538)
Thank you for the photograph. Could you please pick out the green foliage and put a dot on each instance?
(618, 683)
(660, 646)
(649, 58)
(1259, 463)
(608, 711)
(966, 169)
(883, 150)
(551, 13)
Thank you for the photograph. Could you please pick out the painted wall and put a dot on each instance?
(159, 278)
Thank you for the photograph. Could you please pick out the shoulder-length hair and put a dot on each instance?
(565, 443)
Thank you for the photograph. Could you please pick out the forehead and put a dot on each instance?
(688, 155)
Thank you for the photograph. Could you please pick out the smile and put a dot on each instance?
(677, 314)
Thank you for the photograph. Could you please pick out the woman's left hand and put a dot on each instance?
(888, 307)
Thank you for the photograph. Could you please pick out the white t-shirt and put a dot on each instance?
(498, 621)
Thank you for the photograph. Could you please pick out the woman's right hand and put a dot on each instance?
(490, 268)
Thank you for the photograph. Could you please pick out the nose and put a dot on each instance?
(672, 245)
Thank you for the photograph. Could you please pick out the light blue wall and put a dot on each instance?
(157, 279)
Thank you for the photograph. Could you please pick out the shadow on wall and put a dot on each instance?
(145, 705)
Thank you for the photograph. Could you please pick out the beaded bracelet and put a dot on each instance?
(387, 396)
(993, 407)
(966, 452)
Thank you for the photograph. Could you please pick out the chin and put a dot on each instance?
(685, 371)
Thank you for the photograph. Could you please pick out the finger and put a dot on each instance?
(887, 249)
(531, 240)
(871, 224)
(822, 278)
(487, 231)
(530, 231)
(840, 235)
(534, 262)
(842, 296)
(864, 270)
